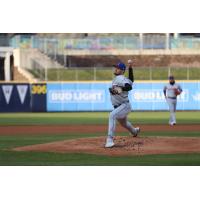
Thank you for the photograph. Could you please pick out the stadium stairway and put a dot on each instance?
(21, 75)
(35, 58)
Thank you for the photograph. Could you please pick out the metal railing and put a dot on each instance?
(106, 74)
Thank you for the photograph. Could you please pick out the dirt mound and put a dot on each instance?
(123, 146)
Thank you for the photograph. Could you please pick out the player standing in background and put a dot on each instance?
(119, 98)
(171, 91)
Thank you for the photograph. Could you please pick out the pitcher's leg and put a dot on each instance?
(112, 124)
(111, 130)
(174, 112)
(119, 112)
(126, 124)
(171, 110)
(116, 113)
(171, 117)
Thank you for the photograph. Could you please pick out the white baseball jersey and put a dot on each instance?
(120, 81)
(170, 90)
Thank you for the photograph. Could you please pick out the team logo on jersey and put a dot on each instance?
(7, 91)
(22, 90)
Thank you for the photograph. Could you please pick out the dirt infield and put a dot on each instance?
(59, 129)
(124, 146)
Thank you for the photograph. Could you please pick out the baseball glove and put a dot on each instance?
(115, 90)
(177, 92)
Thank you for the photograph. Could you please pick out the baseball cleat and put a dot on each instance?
(109, 142)
(137, 131)
(172, 124)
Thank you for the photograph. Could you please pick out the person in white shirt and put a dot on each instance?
(120, 101)
(171, 91)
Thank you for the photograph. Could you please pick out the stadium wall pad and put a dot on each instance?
(22, 97)
(90, 96)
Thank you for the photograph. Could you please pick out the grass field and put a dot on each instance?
(9, 157)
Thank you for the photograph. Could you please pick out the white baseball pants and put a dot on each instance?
(120, 113)
(172, 110)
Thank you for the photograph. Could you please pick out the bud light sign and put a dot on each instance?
(94, 96)
(77, 97)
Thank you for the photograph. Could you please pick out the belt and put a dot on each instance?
(171, 97)
(116, 106)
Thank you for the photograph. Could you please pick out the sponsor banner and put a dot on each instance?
(149, 96)
(15, 97)
(95, 96)
(90, 97)
(38, 97)
(78, 97)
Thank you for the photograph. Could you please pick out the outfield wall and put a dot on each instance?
(22, 97)
(90, 96)
(95, 96)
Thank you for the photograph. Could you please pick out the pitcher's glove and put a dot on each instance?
(115, 90)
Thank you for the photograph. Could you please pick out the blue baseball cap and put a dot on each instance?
(121, 66)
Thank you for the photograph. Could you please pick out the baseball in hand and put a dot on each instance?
(130, 61)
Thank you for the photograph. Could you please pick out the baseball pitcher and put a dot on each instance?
(119, 98)
(171, 91)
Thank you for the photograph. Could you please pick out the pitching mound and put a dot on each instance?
(124, 146)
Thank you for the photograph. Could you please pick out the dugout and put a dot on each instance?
(2, 76)
(6, 63)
